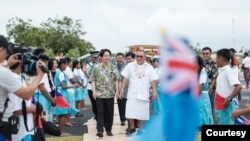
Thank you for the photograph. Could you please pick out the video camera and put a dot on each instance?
(28, 58)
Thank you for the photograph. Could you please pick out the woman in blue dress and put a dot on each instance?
(205, 111)
(62, 108)
(79, 96)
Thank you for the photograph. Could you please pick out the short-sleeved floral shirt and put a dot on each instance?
(104, 78)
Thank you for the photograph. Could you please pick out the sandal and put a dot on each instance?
(69, 124)
(79, 115)
(72, 122)
(84, 109)
(65, 134)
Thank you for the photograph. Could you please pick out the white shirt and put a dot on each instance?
(236, 72)
(203, 77)
(69, 74)
(89, 66)
(61, 77)
(158, 71)
(46, 82)
(16, 103)
(82, 75)
(8, 84)
(30, 79)
(139, 87)
(85, 79)
(246, 62)
(225, 81)
(77, 73)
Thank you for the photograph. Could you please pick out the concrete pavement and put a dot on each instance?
(117, 130)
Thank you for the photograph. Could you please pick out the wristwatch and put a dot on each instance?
(229, 99)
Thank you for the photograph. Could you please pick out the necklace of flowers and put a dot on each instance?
(142, 73)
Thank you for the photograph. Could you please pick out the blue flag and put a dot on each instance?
(178, 117)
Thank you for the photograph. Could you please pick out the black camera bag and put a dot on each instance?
(13, 121)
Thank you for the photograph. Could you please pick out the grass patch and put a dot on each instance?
(198, 137)
(68, 138)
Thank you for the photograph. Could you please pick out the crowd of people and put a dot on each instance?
(59, 93)
(126, 80)
(134, 80)
(220, 86)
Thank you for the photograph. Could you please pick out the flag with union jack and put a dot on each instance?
(178, 117)
(178, 64)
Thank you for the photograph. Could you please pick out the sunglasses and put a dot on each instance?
(138, 56)
(205, 53)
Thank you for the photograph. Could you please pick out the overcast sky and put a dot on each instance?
(116, 24)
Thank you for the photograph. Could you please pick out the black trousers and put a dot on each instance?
(212, 100)
(122, 108)
(39, 135)
(105, 113)
(93, 102)
(211, 96)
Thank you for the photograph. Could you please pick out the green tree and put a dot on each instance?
(50, 52)
(24, 33)
(197, 51)
(73, 54)
(55, 35)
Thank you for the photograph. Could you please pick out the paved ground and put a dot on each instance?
(86, 126)
(117, 129)
(79, 129)
(245, 93)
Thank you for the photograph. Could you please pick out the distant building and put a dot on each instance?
(85, 58)
(151, 50)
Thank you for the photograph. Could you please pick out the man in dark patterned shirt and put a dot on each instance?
(122, 101)
(212, 71)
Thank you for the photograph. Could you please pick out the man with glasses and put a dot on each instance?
(140, 76)
(129, 57)
(212, 71)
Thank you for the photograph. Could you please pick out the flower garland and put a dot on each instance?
(142, 73)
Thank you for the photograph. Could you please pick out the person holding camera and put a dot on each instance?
(42, 93)
(11, 84)
(16, 103)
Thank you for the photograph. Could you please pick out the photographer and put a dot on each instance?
(17, 107)
(11, 84)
